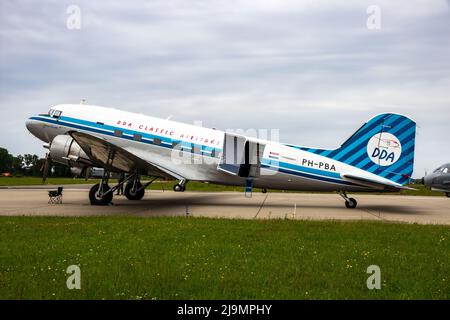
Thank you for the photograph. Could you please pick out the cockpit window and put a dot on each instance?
(443, 169)
(54, 113)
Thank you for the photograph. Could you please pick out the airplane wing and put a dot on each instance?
(114, 158)
(374, 183)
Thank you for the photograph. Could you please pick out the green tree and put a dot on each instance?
(18, 165)
(60, 170)
(6, 161)
(31, 164)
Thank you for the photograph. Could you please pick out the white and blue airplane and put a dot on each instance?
(378, 157)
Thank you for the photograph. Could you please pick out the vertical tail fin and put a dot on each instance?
(384, 146)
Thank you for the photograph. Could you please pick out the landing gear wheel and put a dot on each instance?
(96, 200)
(179, 188)
(134, 195)
(264, 190)
(351, 203)
(448, 194)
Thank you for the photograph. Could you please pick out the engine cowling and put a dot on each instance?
(65, 150)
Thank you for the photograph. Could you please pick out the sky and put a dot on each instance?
(315, 70)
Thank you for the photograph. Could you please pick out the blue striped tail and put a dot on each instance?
(384, 146)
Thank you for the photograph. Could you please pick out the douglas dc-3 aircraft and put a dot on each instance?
(377, 157)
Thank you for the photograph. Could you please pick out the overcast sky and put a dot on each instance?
(312, 69)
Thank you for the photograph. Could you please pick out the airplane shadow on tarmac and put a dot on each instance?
(214, 200)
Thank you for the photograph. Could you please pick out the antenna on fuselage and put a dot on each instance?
(169, 117)
(83, 101)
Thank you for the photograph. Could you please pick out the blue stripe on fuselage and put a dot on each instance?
(284, 167)
(309, 176)
(109, 130)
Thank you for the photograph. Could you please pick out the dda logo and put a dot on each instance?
(384, 149)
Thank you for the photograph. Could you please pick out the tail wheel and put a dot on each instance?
(448, 194)
(136, 194)
(264, 190)
(351, 203)
(96, 199)
(179, 188)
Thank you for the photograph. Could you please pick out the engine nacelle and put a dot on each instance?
(76, 171)
(65, 150)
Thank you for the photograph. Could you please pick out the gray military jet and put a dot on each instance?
(439, 180)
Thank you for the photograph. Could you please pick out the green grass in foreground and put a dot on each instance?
(197, 258)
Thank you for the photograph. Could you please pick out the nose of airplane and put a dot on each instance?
(29, 125)
(36, 129)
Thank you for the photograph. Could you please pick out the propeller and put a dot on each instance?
(46, 167)
(83, 172)
(86, 172)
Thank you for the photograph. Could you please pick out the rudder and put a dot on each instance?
(384, 146)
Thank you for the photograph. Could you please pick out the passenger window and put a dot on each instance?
(156, 141)
(137, 137)
(195, 149)
(118, 133)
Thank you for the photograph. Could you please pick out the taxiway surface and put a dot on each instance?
(32, 201)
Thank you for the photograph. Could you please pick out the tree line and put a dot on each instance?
(29, 165)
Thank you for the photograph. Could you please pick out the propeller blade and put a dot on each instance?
(87, 173)
(46, 167)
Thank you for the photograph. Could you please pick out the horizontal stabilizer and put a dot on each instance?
(381, 184)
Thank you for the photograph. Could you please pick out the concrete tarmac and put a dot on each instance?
(32, 201)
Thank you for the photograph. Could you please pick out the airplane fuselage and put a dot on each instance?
(194, 153)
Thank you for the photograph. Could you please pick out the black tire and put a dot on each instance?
(134, 196)
(448, 194)
(264, 190)
(179, 188)
(97, 201)
(351, 203)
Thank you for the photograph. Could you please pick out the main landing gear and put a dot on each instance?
(349, 202)
(180, 186)
(101, 194)
(134, 190)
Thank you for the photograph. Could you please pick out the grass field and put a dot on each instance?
(197, 258)
(34, 181)
(167, 185)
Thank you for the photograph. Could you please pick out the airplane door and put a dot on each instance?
(241, 157)
(233, 154)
